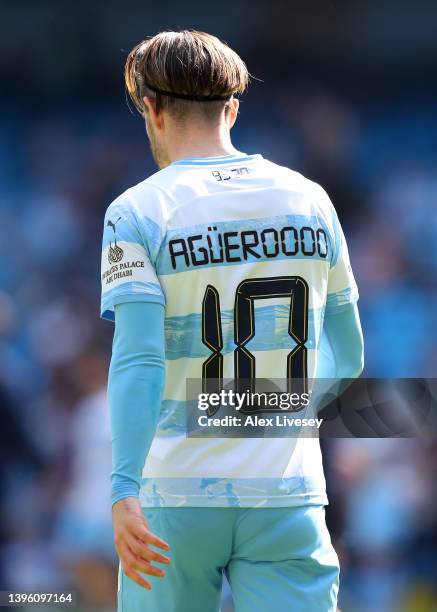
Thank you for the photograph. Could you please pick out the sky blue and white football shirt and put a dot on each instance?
(199, 230)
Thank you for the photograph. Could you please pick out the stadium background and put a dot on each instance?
(348, 97)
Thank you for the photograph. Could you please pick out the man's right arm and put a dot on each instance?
(341, 326)
(345, 336)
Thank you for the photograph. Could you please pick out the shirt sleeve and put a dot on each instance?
(127, 270)
(342, 288)
(135, 384)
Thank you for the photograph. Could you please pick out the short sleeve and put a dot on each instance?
(342, 288)
(127, 272)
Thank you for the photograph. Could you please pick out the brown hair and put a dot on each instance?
(184, 70)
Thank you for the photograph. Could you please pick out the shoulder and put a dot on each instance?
(137, 200)
(144, 203)
(297, 182)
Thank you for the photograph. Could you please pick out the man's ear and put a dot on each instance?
(232, 114)
(156, 117)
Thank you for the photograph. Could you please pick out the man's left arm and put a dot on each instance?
(135, 385)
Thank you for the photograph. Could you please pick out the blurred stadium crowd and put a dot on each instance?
(59, 170)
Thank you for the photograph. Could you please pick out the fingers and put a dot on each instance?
(146, 568)
(132, 539)
(151, 555)
(150, 538)
(141, 564)
(140, 549)
(142, 582)
(132, 565)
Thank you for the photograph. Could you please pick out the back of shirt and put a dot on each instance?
(246, 256)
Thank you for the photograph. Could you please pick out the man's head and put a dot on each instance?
(184, 83)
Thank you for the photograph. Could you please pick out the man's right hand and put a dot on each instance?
(132, 541)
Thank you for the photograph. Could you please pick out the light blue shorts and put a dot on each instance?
(276, 560)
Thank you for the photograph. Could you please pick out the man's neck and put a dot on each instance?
(201, 143)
